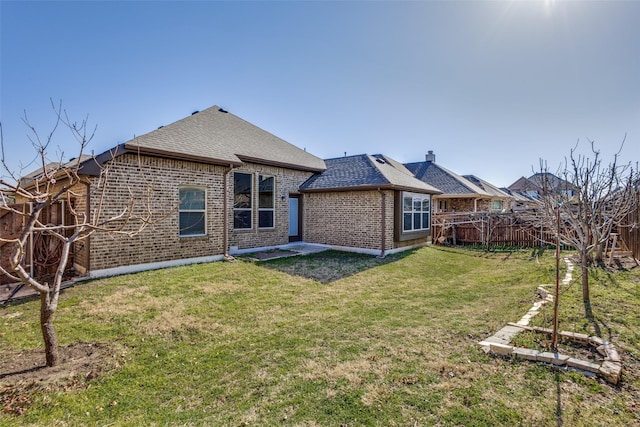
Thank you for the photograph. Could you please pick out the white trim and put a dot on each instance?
(136, 268)
(412, 212)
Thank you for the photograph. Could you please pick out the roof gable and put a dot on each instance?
(216, 136)
(524, 184)
(450, 183)
(489, 188)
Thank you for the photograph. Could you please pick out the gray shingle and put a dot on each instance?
(450, 183)
(491, 189)
(220, 137)
(364, 171)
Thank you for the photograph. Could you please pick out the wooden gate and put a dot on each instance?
(43, 251)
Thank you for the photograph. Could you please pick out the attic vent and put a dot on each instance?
(195, 112)
(380, 161)
(222, 110)
(160, 127)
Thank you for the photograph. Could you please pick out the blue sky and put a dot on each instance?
(491, 87)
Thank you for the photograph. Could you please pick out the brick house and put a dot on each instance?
(535, 186)
(225, 186)
(459, 193)
(370, 202)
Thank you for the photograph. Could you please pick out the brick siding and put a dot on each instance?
(161, 241)
(349, 218)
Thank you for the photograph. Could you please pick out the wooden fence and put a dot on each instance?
(43, 251)
(487, 229)
(497, 229)
(629, 232)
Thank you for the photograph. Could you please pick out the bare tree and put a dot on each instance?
(51, 184)
(593, 199)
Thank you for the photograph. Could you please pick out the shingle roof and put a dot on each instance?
(519, 196)
(491, 189)
(524, 184)
(55, 167)
(450, 183)
(216, 136)
(543, 179)
(365, 172)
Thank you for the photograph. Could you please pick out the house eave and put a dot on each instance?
(286, 165)
(180, 156)
(366, 188)
(463, 196)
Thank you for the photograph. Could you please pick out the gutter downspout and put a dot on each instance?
(225, 215)
(87, 211)
(383, 223)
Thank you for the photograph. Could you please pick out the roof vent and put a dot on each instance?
(379, 160)
(222, 110)
(160, 127)
(195, 112)
(430, 157)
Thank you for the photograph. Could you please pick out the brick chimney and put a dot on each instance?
(430, 157)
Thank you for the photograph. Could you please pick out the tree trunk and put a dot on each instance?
(585, 278)
(599, 254)
(48, 332)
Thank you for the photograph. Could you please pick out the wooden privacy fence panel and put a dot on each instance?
(487, 229)
(43, 251)
(10, 226)
(629, 232)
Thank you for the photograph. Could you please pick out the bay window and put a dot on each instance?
(416, 212)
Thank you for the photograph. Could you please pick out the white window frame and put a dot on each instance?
(416, 197)
(494, 208)
(273, 202)
(203, 210)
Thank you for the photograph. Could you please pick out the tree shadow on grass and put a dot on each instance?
(329, 266)
(556, 376)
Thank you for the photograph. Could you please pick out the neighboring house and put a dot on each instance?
(367, 201)
(534, 186)
(459, 194)
(521, 201)
(500, 200)
(225, 186)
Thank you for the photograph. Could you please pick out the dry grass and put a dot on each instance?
(327, 339)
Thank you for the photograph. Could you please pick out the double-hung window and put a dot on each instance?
(266, 201)
(496, 205)
(192, 211)
(242, 196)
(416, 212)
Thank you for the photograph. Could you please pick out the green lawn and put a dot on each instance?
(329, 339)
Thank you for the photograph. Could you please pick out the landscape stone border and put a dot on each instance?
(500, 342)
